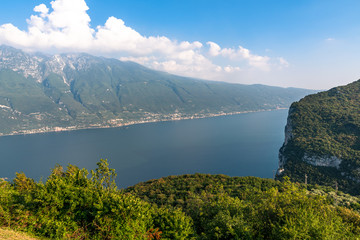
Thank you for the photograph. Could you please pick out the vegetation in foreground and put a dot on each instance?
(73, 204)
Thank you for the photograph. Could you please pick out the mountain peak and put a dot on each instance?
(39, 66)
(72, 91)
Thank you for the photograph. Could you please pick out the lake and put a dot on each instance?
(237, 145)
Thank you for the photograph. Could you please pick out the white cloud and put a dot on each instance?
(214, 49)
(66, 28)
(283, 62)
(42, 9)
(231, 69)
(240, 54)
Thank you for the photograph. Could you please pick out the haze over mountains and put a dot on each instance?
(40, 93)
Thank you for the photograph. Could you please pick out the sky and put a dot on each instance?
(310, 44)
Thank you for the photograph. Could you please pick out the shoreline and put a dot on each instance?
(75, 128)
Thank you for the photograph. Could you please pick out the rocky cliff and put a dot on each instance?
(322, 139)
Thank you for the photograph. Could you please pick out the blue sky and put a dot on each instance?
(300, 43)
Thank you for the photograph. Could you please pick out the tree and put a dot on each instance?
(103, 176)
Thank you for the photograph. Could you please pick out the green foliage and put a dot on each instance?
(103, 176)
(324, 125)
(173, 223)
(177, 190)
(223, 207)
(23, 183)
(72, 205)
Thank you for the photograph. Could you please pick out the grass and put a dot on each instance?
(8, 234)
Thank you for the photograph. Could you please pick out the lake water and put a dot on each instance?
(237, 145)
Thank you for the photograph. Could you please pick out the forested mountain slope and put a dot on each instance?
(40, 93)
(323, 139)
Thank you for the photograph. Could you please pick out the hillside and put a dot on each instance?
(70, 204)
(40, 93)
(323, 139)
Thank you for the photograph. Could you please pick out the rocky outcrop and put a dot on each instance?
(288, 128)
(322, 139)
(40, 66)
(282, 161)
(21, 62)
(322, 161)
(288, 137)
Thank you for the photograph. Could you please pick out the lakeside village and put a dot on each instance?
(119, 122)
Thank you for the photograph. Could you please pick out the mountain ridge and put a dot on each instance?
(41, 93)
(322, 139)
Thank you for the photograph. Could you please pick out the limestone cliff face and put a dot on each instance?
(288, 137)
(40, 66)
(306, 157)
(322, 161)
(288, 128)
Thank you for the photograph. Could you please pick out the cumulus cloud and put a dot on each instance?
(65, 27)
(240, 54)
(42, 9)
(214, 49)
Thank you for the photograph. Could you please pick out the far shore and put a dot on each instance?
(116, 125)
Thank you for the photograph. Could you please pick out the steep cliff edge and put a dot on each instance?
(322, 139)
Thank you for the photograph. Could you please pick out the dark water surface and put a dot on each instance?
(238, 145)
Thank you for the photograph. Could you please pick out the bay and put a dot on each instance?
(237, 145)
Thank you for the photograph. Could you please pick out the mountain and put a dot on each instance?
(40, 93)
(322, 139)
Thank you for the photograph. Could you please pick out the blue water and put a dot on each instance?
(237, 145)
